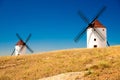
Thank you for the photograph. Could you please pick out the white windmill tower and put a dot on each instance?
(96, 37)
(20, 47)
(96, 32)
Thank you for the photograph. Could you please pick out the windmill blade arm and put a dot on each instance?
(100, 34)
(108, 43)
(29, 49)
(19, 36)
(80, 35)
(13, 52)
(22, 47)
(83, 17)
(28, 38)
(98, 14)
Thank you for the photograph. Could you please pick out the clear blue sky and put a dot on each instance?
(53, 23)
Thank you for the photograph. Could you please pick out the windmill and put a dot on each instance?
(96, 32)
(20, 47)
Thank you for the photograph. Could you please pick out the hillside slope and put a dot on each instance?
(99, 64)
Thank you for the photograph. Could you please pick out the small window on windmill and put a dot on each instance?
(94, 39)
(95, 46)
(103, 29)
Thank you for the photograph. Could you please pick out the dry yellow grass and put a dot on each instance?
(100, 64)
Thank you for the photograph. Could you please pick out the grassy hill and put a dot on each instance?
(98, 64)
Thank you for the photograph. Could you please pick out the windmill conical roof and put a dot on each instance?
(97, 24)
(20, 42)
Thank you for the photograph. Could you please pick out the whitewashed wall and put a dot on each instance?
(17, 50)
(91, 35)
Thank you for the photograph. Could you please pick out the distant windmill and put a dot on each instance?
(20, 47)
(96, 32)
